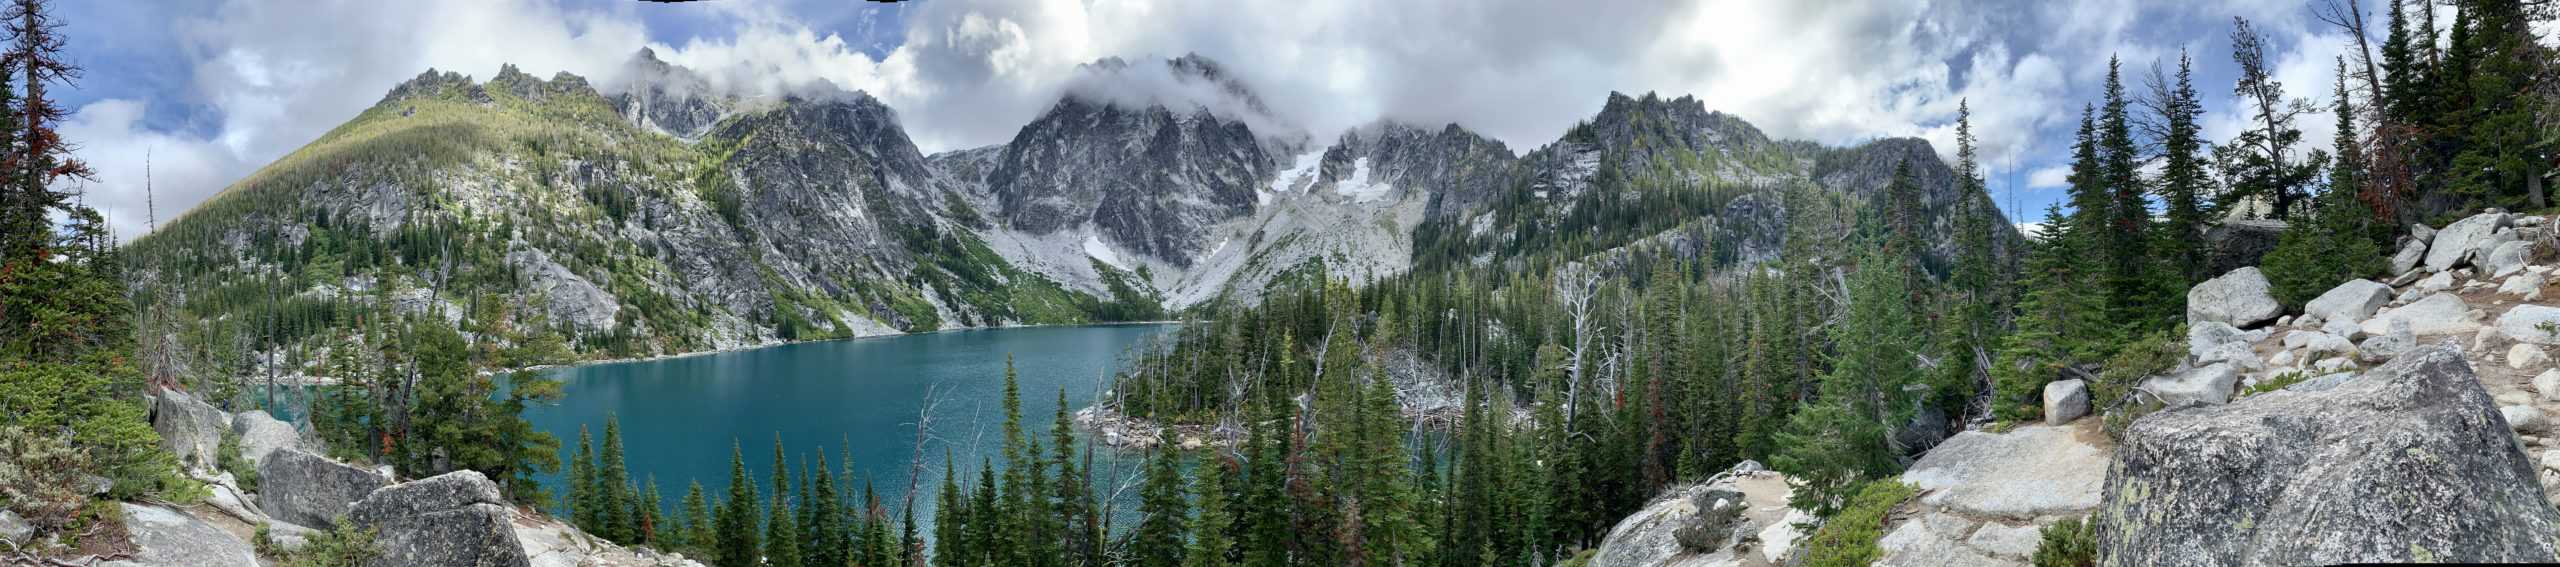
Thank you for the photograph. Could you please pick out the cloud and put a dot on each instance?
(266, 77)
(2049, 177)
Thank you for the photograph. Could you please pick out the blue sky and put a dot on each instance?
(212, 89)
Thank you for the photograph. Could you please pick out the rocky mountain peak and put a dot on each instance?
(664, 97)
(433, 83)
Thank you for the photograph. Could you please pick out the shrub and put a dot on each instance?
(40, 478)
(2152, 355)
(1848, 539)
(2068, 543)
(342, 545)
(228, 456)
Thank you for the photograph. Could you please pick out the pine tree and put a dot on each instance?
(2338, 242)
(987, 516)
(649, 527)
(613, 480)
(950, 517)
(2258, 164)
(697, 536)
(2499, 62)
(737, 520)
(782, 530)
(1848, 434)
(2183, 179)
(823, 542)
(1211, 543)
(1163, 525)
(583, 508)
(2135, 297)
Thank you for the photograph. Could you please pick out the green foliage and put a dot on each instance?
(341, 545)
(1848, 538)
(2069, 542)
(229, 460)
(2113, 392)
(1164, 524)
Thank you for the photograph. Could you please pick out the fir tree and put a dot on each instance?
(1211, 543)
(2183, 179)
(1847, 435)
(1163, 526)
(736, 524)
(583, 493)
(823, 542)
(697, 536)
(613, 480)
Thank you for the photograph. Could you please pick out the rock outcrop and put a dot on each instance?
(2464, 240)
(310, 490)
(456, 518)
(2351, 301)
(1986, 496)
(2409, 462)
(1739, 517)
(2438, 314)
(2238, 243)
(261, 434)
(2240, 298)
(189, 428)
(168, 538)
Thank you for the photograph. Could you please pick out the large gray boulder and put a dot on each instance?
(2240, 298)
(2065, 400)
(2030, 472)
(2407, 463)
(190, 429)
(2464, 240)
(2507, 259)
(2240, 242)
(456, 518)
(2439, 314)
(2208, 384)
(2351, 301)
(2537, 324)
(310, 490)
(168, 538)
(1734, 518)
(261, 434)
(2411, 255)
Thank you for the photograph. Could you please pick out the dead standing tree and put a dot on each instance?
(1576, 283)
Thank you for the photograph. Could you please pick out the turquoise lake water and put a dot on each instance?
(679, 416)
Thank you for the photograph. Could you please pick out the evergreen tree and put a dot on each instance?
(782, 530)
(2498, 63)
(1163, 524)
(2183, 179)
(614, 481)
(736, 524)
(583, 508)
(1848, 434)
(2259, 163)
(2135, 297)
(2337, 243)
(1212, 544)
(950, 517)
(649, 527)
(696, 537)
(823, 540)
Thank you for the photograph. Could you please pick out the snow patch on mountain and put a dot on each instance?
(1359, 187)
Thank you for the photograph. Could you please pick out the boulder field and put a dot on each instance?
(457, 518)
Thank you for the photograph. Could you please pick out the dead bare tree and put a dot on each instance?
(1575, 285)
(2348, 17)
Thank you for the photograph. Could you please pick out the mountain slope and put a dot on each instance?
(555, 222)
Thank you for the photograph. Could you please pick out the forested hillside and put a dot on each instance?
(1662, 335)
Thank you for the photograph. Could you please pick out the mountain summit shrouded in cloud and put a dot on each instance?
(212, 89)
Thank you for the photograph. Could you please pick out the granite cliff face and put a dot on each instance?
(661, 215)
